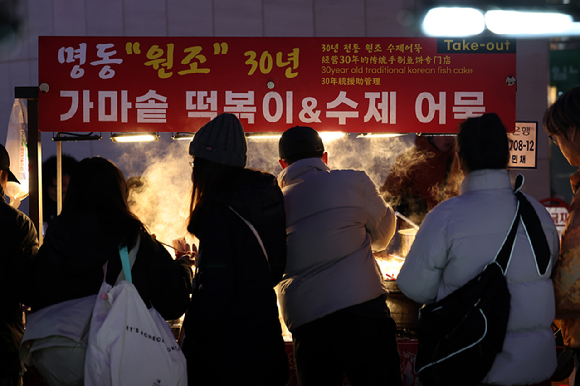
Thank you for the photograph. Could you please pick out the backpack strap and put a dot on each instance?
(534, 230)
(505, 252)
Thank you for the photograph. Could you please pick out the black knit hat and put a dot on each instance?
(5, 164)
(221, 140)
(299, 140)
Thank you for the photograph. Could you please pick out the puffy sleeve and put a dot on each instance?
(421, 274)
(381, 220)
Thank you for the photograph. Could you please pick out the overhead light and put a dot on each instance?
(453, 21)
(380, 135)
(183, 136)
(264, 135)
(134, 137)
(526, 23)
(324, 135)
(330, 135)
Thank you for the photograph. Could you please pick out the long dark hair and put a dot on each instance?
(98, 186)
(210, 181)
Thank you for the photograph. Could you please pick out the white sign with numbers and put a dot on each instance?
(523, 144)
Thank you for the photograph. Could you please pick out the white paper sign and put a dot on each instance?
(523, 145)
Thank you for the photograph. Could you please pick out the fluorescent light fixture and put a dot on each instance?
(324, 135)
(527, 23)
(379, 135)
(264, 135)
(454, 21)
(134, 137)
(331, 135)
(183, 136)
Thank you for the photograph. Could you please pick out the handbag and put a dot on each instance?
(128, 343)
(460, 335)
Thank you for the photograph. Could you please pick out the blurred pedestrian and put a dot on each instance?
(562, 123)
(18, 245)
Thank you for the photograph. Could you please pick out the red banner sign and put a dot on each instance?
(368, 85)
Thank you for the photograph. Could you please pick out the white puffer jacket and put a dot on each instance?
(333, 220)
(463, 234)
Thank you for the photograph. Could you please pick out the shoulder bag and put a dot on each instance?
(128, 343)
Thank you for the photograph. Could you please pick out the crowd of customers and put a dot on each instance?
(305, 239)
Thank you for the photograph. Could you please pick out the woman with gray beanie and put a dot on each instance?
(232, 330)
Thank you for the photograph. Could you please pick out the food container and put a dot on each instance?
(407, 237)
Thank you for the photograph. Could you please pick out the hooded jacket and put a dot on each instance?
(232, 328)
(70, 265)
(19, 246)
(334, 220)
(458, 238)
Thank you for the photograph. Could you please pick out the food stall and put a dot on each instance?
(363, 87)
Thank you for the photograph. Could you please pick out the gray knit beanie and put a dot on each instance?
(221, 140)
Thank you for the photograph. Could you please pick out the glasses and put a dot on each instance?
(553, 139)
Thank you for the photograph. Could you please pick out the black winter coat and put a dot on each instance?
(70, 265)
(18, 247)
(232, 330)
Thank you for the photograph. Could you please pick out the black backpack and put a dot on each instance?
(460, 335)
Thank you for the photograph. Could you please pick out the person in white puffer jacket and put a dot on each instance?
(460, 236)
(332, 295)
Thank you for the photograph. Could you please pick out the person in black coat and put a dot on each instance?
(232, 330)
(18, 248)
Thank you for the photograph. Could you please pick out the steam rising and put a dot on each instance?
(162, 196)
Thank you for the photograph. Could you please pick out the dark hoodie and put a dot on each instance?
(77, 245)
(233, 333)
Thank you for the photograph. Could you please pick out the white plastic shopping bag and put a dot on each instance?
(17, 148)
(130, 344)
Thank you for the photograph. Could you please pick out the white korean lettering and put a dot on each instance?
(111, 96)
(106, 72)
(279, 106)
(71, 55)
(388, 111)
(241, 105)
(342, 115)
(433, 107)
(87, 105)
(468, 104)
(74, 106)
(152, 111)
(206, 107)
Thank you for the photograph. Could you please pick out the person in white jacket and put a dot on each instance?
(461, 235)
(332, 295)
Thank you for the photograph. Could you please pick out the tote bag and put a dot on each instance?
(130, 344)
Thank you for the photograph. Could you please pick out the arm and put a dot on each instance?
(421, 274)
(381, 222)
(169, 280)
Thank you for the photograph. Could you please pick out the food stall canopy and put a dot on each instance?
(370, 85)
